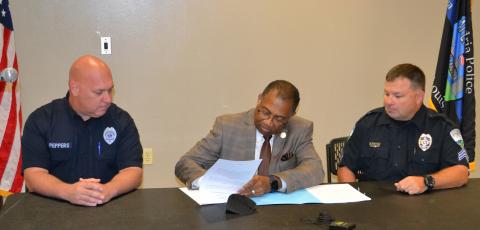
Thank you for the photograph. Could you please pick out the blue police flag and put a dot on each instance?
(453, 92)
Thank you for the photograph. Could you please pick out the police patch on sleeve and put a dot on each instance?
(424, 141)
(457, 137)
(463, 155)
(109, 135)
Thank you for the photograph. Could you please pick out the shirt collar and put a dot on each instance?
(70, 110)
(259, 135)
(417, 120)
(72, 113)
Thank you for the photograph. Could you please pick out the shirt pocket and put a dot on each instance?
(288, 164)
(106, 152)
(60, 154)
(425, 161)
(375, 160)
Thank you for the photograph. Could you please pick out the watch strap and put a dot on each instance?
(429, 182)
(273, 183)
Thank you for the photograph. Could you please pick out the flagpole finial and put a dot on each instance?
(9, 74)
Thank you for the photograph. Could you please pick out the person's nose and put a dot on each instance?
(387, 100)
(269, 121)
(107, 97)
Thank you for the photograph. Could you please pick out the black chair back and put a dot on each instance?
(334, 155)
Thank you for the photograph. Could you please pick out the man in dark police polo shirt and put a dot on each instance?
(82, 148)
(405, 142)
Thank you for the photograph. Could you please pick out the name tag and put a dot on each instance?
(374, 144)
(59, 145)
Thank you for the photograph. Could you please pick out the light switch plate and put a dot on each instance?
(106, 45)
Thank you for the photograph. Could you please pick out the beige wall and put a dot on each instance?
(179, 64)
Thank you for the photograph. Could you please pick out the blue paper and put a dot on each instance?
(301, 196)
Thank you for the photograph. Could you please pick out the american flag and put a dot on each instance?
(11, 179)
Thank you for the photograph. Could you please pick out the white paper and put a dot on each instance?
(195, 195)
(337, 193)
(325, 193)
(224, 178)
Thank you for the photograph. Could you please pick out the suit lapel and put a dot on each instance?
(278, 143)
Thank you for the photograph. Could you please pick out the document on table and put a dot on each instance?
(224, 178)
(325, 193)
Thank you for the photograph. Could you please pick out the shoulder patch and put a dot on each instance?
(457, 137)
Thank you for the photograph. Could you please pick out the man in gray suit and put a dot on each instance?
(290, 164)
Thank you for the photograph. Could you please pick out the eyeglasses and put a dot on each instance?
(265, 114)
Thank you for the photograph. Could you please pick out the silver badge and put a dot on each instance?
(425, 141)
(457, 137)
(109, 135)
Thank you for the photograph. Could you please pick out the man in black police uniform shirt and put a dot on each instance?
(82, 148)
(404, 141)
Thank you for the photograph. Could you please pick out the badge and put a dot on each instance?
(425, 141)
(457, 137)
(374, 144)
(109, 135)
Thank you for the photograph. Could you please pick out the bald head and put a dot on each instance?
(90, 87)
(86, 63)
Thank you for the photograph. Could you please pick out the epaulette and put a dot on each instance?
(373, 112)
(370, 116)
(432, 114)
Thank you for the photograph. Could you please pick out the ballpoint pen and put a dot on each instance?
(99, 148)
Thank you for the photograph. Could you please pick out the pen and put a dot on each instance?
(99, 148)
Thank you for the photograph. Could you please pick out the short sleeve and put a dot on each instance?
(351, 151)
(129, 152)
(453, 151)
(34, 145)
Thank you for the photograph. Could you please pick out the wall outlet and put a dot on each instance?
(147, 156)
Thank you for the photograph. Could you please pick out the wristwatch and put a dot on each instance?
(273, 183)
(429, 182)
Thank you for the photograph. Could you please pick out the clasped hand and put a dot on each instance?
(411, 185)
(88, 192)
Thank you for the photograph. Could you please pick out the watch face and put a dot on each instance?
(429, 182)
(273, 184)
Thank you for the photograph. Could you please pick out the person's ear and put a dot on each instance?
(259, 100)
(74, 87)
(420, 96)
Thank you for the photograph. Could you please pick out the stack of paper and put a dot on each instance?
(227, 177)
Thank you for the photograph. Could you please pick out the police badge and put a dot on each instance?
(424, 141)
(109, 135)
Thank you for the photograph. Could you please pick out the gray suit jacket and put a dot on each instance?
(294, 158)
